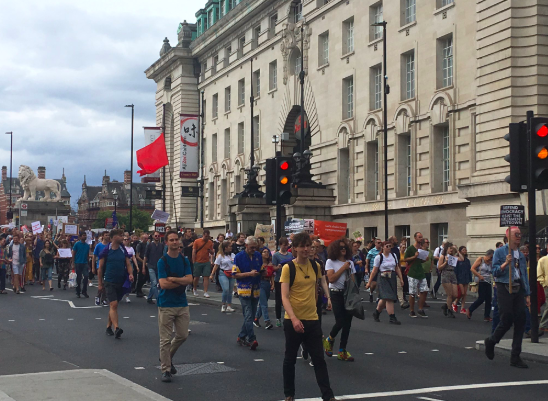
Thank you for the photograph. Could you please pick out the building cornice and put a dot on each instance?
(164, 64)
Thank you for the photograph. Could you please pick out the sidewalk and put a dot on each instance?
(529, 352)
(90, 385)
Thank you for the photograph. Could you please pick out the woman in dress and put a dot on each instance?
(482, 270)
(63, 265)
(224, 263)
(449, 278)
(464, 277)
(388, 265)
(46, 265)
(28, 274)
(267, 285)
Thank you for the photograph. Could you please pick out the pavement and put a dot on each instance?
(531, 352)
(43, 333)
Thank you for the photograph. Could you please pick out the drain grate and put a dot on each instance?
(201, 368)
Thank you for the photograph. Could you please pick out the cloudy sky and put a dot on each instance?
(67, 68)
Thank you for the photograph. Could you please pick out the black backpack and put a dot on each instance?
(382, 257)
(293, 271)
(48, 258)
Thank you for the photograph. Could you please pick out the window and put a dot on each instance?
(223, 12)
(321, 3)
(344, 189)
(241, 44)
(297, 10)
(409, 75)
(215, 106)
(205, 109)
(215, 62)
(403, 232)
(273, 75)
(376, 87)
(447, 61)
(403, 165)
(372, 170)
(210, 18)
(323, 49)
(214, 148)
(376, 12)
(348, 98)
(410, 11)
(273, 21)
(227, 143)
(298, 65)
(348, 36)
(241, 92)
(443, 3)
(369, 233)
(257, 83)
(241, 138)
(227, 99)
(211, 201)
(446, 158)
(256, 132)
(441, 231)
(376, 169)
(257, 33)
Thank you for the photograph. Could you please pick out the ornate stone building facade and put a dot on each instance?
(459, 72)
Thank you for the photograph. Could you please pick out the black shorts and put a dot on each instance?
(114, 292)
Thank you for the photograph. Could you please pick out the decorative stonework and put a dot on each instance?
(291, 39)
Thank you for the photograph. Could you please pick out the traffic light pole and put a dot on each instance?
(278, 203)
(532, 206)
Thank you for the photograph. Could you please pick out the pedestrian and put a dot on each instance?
(448, 278)
(229, 234)
(267, 285)
(511, 305)
(437, 253)
(174, 274)
(133, 261)
(428, 265)
(100, 298)
(141, 270)
(464, 277)
(371, 255)
(202, 249)
(17, 256)
(153, 253)
(46, 265)
(542, 278)
(388, 265)
(416, 277)
(113, 265)
(27, 275)
(80, 257)
(340, 269)
(246, 271)
(224, 263)
(279, 259)
(220, 239)
(3, 265)
(301, 324)
(63, 265)
(359, 265)
(482, 270)
(38, 246)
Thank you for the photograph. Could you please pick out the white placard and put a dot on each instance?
(452, 261)
(160, 216)
(89, 237)
(71, 229)
(423, 255)
(36, 227)
(65, 252)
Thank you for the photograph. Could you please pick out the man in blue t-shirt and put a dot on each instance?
(114, 268)
(174, 274)
(80, 259)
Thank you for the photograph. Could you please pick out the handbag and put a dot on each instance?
(473, 287)
(352, 299)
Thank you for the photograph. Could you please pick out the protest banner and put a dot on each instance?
(266, 231)
(329, 231)
(36, 227)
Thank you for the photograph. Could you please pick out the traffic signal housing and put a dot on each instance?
(518, 158)
(539, 151)
(284, 178)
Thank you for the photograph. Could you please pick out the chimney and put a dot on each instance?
(127, 177)
(4, 173)
(42, 172)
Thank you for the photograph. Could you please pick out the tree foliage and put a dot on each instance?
(141, 219)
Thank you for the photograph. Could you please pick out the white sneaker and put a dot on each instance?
(229, 309)
(127, 300)
(206, 295)
(195, 293)
(223, 308)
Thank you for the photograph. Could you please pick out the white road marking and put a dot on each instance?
(70, 319)
(139, 368)
(435, 350)
(431, 390)
(153, 316)
(72, 364)
(204, 314)
(402, 352)
(41, 319)
(369, 353)
(469, 347)
(11, 320)
(428, 399)
(97, 318)
(41, 296)
(221, 363)
(126, 317)
(258, 360)
(69, 302)
(190, 304)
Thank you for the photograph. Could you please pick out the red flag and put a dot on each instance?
(152, 157)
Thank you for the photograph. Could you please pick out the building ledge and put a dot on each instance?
(444, 8)
(407, 26)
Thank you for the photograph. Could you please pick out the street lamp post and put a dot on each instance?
(386, 89)
(131, 181)
(201, 178)
(10, 213)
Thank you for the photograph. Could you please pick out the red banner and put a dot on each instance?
(329, 231)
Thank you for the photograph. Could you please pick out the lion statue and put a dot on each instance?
(31, 184)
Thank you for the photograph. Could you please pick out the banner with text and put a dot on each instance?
(329, 231)
(151, 134)
(189, 146)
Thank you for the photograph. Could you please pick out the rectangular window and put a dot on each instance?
(241, 92)
(442, 231)
(241, 44)
(409, 59)
(257, 32)
(273, 75)
(213, 148)
(215, 106)
(377, 17)
(348, 97)
(444, 3)
(256, 132)
(445, 158)
(376, 87)
(447, 61)
(227, 99)
(403, 232)
(223, 12)
(348, 36)
(257, 83)
(227, 143)
(323, 49)
(241, 138)
(273, 21)
(297, 12)
(410, 11)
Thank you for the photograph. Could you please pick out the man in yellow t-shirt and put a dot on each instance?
(301, 324)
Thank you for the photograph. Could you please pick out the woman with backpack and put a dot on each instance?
(46, 265)
(224, 262)
(267, 285)
(482, 270)
(387, 264)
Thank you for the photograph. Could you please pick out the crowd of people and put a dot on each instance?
(307, 277)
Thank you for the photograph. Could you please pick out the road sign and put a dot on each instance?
(512, 215)
(189, 192)
(23, 213)
(24, 206)
(154, 194)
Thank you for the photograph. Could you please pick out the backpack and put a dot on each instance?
(382, 257)
(293, 271)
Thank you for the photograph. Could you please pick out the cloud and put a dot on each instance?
(68, 69)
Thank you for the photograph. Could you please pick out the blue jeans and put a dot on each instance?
(249, 309)
(153, 284)
(45, 273)
(263, 301)
(226, 284)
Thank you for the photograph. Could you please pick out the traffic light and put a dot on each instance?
(539, 147)
(518, 157)
(270, 181)
(285, 170)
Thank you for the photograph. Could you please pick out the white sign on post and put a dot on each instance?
(160, 216)
(36, 227)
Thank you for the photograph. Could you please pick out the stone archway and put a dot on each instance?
(292, 126)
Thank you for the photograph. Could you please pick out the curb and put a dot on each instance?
(525, 355)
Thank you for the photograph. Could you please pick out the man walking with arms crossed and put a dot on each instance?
(174, 274)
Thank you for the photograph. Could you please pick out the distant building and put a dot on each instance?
(95, 199)
(17, 191)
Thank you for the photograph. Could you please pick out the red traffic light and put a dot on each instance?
(543, 131)
(284, 165)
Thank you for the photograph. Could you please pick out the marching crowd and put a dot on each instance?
(307, 277)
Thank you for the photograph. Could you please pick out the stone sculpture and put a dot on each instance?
(31, 184)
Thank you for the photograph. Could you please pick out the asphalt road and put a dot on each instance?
(434, 354)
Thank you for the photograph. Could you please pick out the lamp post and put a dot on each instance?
(386, 89)
(115, 219)
(201, 178)
(10, 213)
(131, 180)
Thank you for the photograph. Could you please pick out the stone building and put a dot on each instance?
(459, 72)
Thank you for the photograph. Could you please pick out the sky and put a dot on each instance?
(68, 68)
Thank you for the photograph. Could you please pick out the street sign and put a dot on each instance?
(24, 206)
(189, 192)
(154, 194)
(23, 213)
(512, 215)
